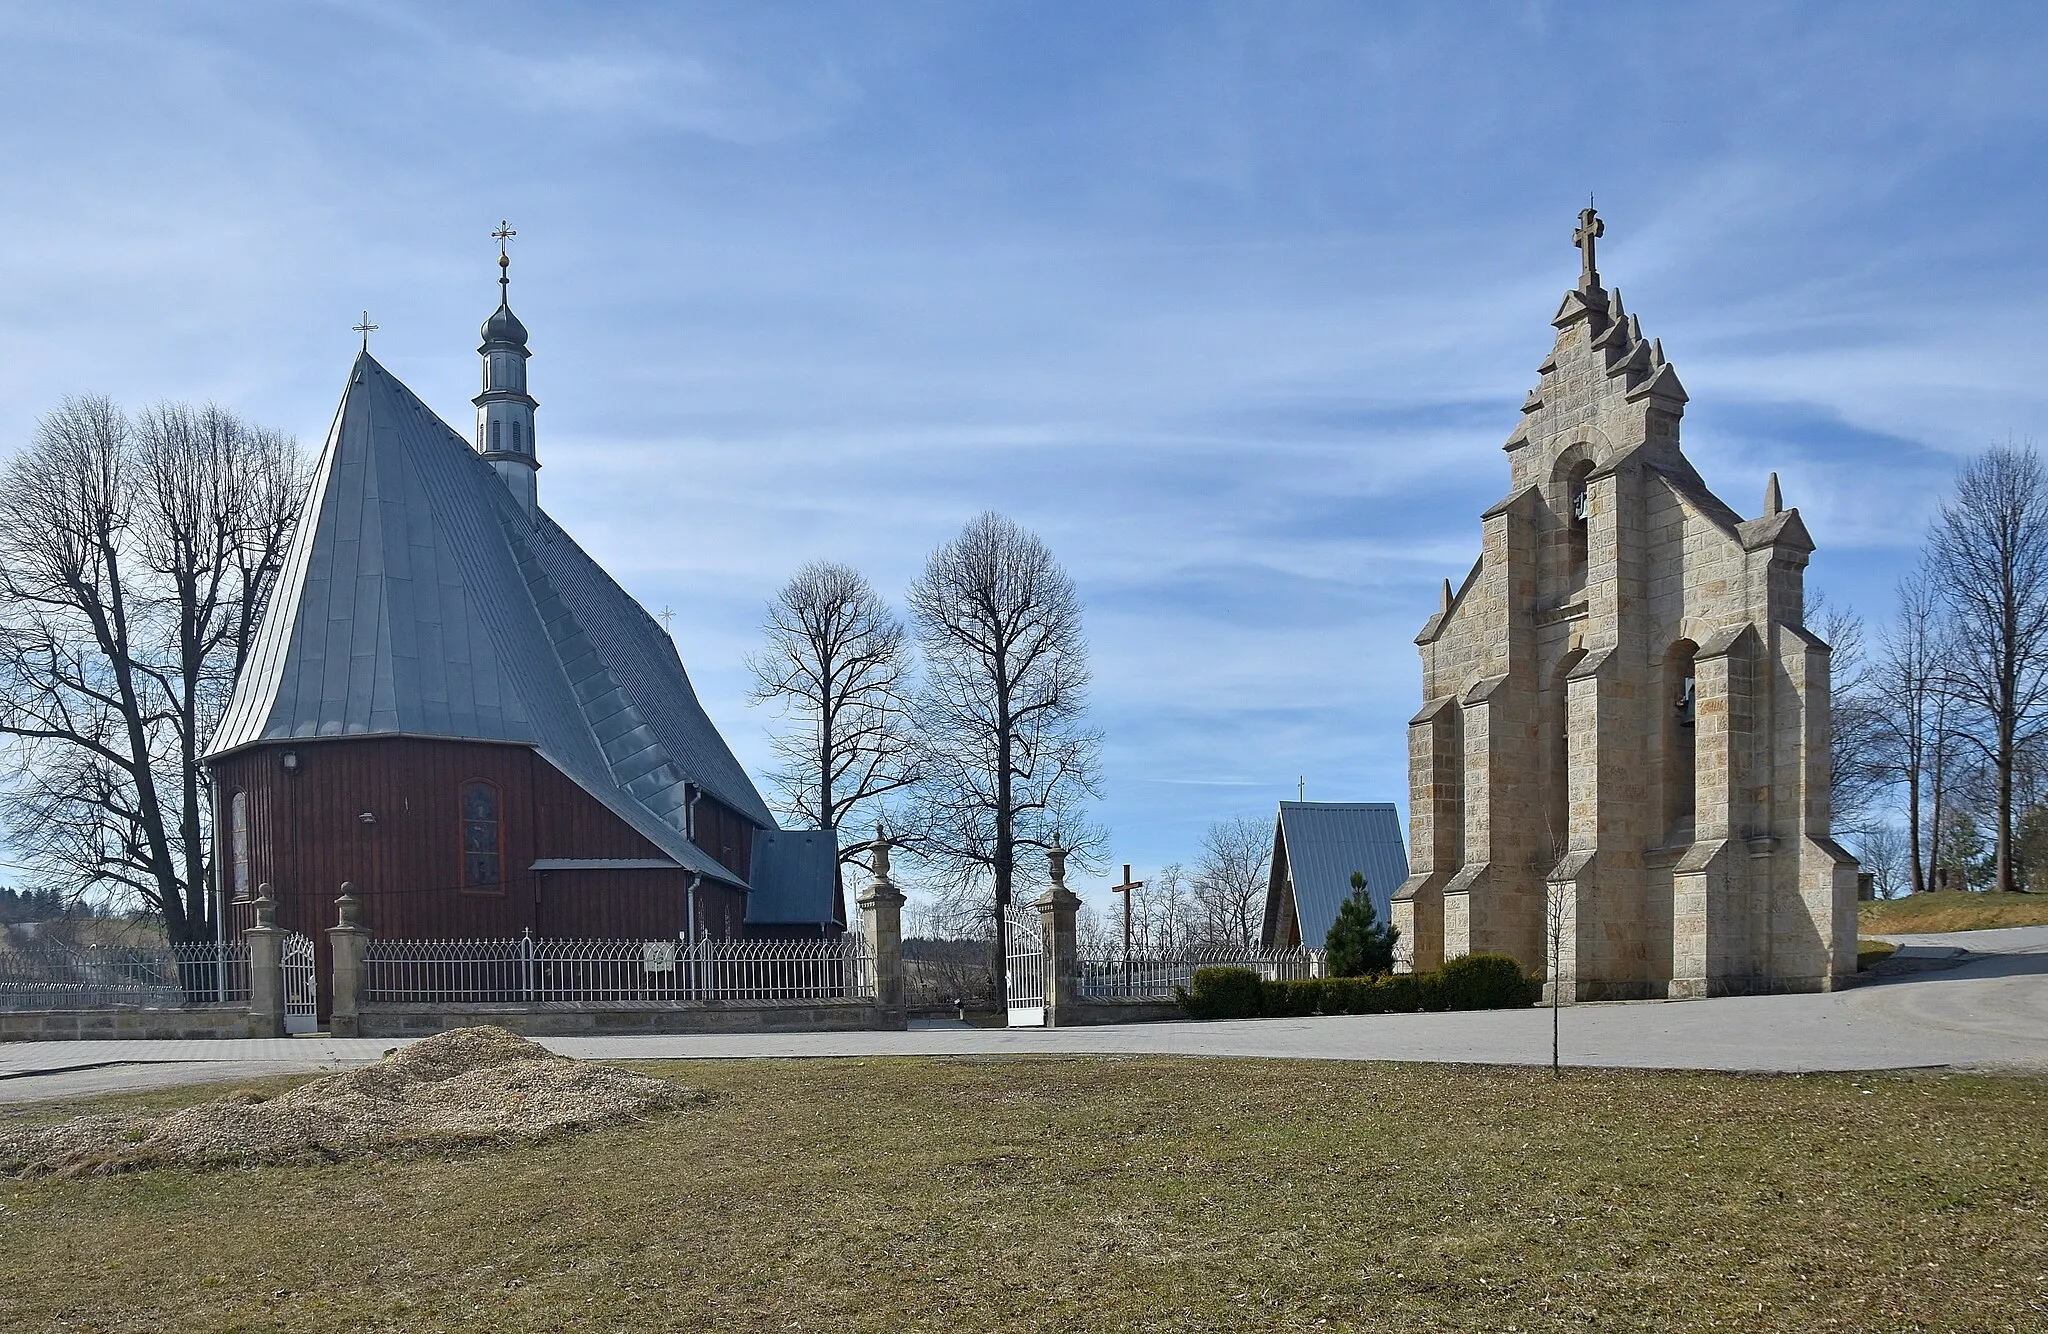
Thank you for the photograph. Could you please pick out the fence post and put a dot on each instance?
(881, 913)
(266, 969)
(346, 942)
(1056, 916)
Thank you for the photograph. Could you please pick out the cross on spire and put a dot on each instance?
(365, 329)
(502, 235)
(1589, 230)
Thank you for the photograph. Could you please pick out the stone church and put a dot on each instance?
(1623, 744)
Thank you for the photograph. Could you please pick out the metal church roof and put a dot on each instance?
(795, 875)
(1320, 843)
(418, 599)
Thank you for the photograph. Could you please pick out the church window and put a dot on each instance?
(1680, 747)
(238, 845)
(1579, 507)
(515, 437)
(479, 435)
(495, 436)
(483, 847)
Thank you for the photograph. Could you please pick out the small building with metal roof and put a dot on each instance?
(1317, 845)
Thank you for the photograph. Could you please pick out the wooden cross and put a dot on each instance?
(365, 329)
(1589, 230)
(1125, 889)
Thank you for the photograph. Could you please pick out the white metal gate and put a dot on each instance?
(301, 986)
(1024, 966)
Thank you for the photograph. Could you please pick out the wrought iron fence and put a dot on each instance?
(657, 972)
(1108, 978)
(47, 976)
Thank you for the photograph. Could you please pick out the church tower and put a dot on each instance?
(1623, 746)
(504, 410)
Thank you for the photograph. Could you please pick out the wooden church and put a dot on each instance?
(452, 708)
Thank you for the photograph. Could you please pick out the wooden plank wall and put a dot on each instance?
(307, 837)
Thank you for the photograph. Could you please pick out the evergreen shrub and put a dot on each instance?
(1486, 982)
(1223, 993)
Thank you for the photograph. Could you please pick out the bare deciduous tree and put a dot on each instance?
(1989, 553)
(1857, 772)
(1007, 757)
(135, 558)
(1230, 881)
(1914, 719)
(838, 662)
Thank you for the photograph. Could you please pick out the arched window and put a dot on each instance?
(479, 435)
(238, 845)
(515, 437)
(1680, 750)
(494, 436)
(483, 838)
(1579, 515)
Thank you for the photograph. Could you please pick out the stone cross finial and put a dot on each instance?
(1589, 230)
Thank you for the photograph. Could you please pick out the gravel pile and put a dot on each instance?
(469, 1086)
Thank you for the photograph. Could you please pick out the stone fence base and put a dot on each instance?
(1084, 1013)
(379, 1020)
(186, 1024)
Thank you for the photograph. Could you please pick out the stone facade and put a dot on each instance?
(1623, 745)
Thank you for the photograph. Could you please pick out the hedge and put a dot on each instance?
(1473, 982)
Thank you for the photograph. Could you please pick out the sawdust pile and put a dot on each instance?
(469, 1086)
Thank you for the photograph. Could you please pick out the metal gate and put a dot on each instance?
(301, 986)
(1024, 966)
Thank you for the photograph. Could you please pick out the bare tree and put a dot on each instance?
(1163, 919)
(1007, 757)
(1914, 717)
(838, 662)
(1882, 848)
(1989, 552)
(135, 559)
(1230, 881)
(1857, 770)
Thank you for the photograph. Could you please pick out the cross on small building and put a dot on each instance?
(1589, 230)
(365, 329)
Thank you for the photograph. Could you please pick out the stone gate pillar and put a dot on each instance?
(266, 969)
(881, 915)
(1057, 910)
(347, 942)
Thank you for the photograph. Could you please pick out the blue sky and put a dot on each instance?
(1232, 303)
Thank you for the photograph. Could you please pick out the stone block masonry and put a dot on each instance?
(1623, 742)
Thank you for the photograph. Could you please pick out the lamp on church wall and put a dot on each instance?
(290, 762)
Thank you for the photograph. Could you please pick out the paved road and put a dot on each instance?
(1989, 1011)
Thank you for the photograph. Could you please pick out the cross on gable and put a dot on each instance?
(1589, 230)
(365, 329)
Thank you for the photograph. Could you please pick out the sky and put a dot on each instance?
(1232, 303)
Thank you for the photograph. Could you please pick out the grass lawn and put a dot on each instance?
(1105, 1193)
(1951, 910)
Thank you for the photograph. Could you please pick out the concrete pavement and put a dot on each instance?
(1988, 1012)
